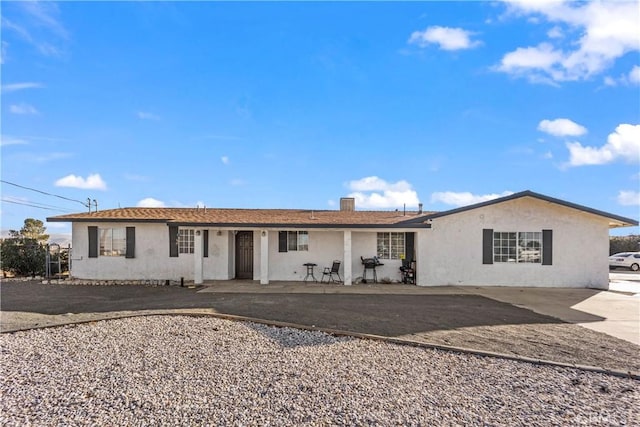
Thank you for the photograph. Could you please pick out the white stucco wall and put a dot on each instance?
(152, 260)
(451, 251)
(324, 247)
(365, 244)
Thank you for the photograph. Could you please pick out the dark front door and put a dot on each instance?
(244, 255)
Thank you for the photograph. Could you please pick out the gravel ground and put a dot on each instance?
(170, 370)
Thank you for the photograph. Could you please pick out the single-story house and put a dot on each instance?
(525, 239)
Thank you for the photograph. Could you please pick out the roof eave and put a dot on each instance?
(618, 221)
(297, 225)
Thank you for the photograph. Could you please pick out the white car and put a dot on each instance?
(630, 260)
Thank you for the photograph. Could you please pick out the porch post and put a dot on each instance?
(264, 257)
(198, 253)
(348, 274)
(421, 257)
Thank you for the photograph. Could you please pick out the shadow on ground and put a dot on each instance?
(388, 315)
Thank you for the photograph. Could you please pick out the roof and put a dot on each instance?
(614, 220)
(218, 217)
(294, 218)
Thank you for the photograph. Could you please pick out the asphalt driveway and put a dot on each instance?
(379, 314)
(517, 322)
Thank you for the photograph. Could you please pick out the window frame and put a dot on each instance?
(186, 240)
(298, 241)
(516, 247)
(393, 245)
(106, 241)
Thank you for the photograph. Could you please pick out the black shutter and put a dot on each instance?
(282, 241)
(173, 241)
(131, 242)
(547, 247)
(93, 241)
(409, 239)
(205, 243)
(487, 246)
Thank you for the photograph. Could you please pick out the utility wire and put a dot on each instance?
(44, 192)
(34, 206)
(11, 199)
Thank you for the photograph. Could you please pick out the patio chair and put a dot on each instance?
(331, 272)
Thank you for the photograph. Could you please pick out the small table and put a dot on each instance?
(310, 267)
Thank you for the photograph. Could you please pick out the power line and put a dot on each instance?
(15, 200)
(44, 192)
(34, 206)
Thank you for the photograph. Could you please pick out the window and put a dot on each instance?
(293, 241)
(186, 241)
(391, 245)
(517, 247)
(112, 241)
(298, 240)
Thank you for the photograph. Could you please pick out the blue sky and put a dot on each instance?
(294, 104)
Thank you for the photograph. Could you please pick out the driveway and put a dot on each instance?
(518, 321)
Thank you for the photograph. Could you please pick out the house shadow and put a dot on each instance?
(372, 313)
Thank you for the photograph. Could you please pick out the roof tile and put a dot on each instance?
(244, 216)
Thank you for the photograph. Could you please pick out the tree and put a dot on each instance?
(24, 252)
(619, 244)
(32, 229)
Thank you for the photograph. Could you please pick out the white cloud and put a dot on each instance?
(225, 160)
(630, 78)
(150, 202)
(524, 59)
(555, 33)
(144, 115)
(10, 140)
(623, 144)
(464, 198)
(13, 87)
(373, 192)
(629, 198)
(37, 23)
(92, 182)
(605, 32)
(22, 109)
(445, 37)
(561, 127)
(634, 75)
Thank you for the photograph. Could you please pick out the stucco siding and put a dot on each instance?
(152, 260)
(452, 253)
(324, 247)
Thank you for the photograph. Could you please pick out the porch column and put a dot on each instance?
(421, 257)
(348, 274)
(198, 252)
(264, 257)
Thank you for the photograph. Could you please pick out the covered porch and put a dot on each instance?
(301, 255)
